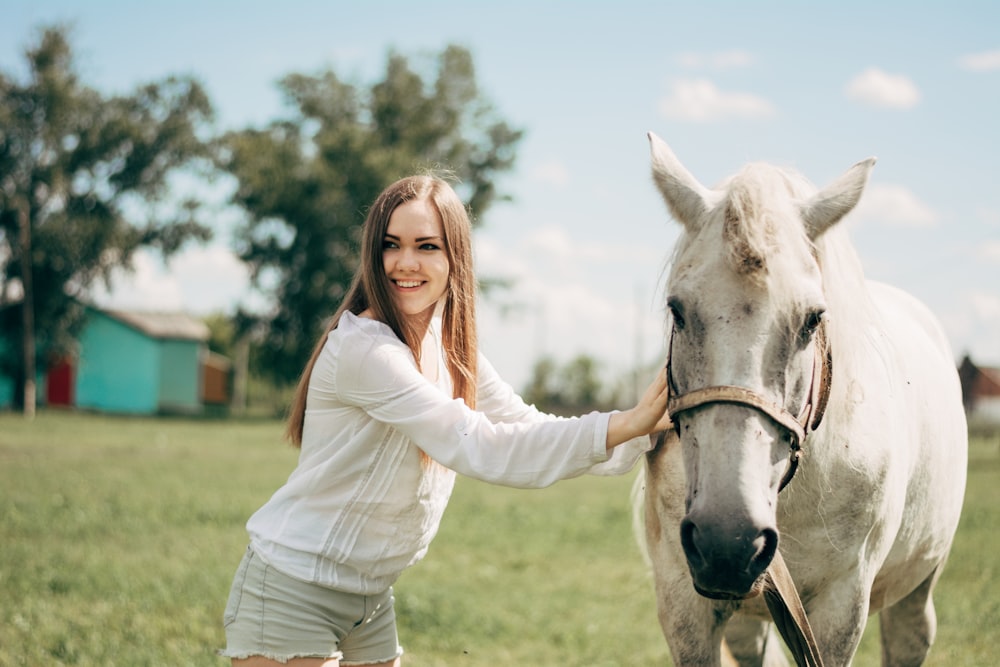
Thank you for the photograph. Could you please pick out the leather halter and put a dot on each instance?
(780, 594)
(798, 427)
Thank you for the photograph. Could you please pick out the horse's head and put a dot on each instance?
(746, 298)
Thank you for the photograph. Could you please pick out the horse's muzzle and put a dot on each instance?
(727, 565)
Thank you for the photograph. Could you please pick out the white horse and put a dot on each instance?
(772, 320)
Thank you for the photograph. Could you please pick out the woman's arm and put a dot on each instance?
(377, 374)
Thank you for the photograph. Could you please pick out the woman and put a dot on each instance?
(393, 402)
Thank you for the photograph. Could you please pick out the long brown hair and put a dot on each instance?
(369, 290)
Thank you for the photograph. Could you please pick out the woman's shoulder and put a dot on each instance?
(363, 354)
(356, 337)
(351, 326)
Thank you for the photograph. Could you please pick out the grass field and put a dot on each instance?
(119, 538)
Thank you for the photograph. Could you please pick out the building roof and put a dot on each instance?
(162, 325)
(987, 382)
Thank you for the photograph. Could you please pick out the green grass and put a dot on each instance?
(119, 538)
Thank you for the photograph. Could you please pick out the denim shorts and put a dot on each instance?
(276, 616)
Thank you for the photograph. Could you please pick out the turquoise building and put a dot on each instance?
(133, 362)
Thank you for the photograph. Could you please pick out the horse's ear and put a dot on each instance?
(829, 205)
(686, 198)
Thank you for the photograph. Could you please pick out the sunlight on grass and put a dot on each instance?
(119, 538)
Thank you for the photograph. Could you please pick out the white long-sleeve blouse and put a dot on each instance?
(362, 504)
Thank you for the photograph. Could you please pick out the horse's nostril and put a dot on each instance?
(726, 561)
(690, 544)
(766, 545)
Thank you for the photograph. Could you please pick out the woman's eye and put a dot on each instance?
(388, 245)
(430, 246)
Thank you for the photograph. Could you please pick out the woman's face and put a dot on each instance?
(415, 258)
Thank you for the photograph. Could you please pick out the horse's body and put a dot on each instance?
(867, 522)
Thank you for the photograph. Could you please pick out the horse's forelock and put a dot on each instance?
(760, 216)
(756, 215)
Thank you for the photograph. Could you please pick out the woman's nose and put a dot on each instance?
(408, 261)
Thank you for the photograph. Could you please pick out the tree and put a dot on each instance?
(305, 182)
(570, 389)
(542, 391)
(72, 162)
(582, 387)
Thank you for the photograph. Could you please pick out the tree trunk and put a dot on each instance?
(27, 312)
(241, 373)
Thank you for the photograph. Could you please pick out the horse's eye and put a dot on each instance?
(676, 312)
(812, 322)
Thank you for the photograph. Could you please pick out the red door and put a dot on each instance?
(59, 383)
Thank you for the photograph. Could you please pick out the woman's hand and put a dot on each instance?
(648, 416)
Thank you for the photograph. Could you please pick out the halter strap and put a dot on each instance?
(798, 427)
(740, 395)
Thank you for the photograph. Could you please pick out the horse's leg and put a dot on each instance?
(692, 628)
(908, 627)
(838, 616)
(692, 625)
(754, 643)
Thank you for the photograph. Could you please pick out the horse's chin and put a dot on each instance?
(757, 588)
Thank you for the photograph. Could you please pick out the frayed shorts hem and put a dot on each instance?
(362, 663)
(283, 659)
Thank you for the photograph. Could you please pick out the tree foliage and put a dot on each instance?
(305, 182)
(90, 175)
(570, 389)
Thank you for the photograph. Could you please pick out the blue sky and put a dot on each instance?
(814, 86)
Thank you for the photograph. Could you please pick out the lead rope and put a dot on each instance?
(789, 615)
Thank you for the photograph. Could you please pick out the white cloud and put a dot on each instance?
(986, 306)
(552, 172)
(990, 216)
(700, 100)
(877, 88)
(199, 280)
(145, 287)
(716, 60)
(984, 61)
(990, 251)
(496, 260)
(211, 278)
(895, 205)
(570, 296)
(556, 243)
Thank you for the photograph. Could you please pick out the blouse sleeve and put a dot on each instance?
(623, 457)
(378, 375)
